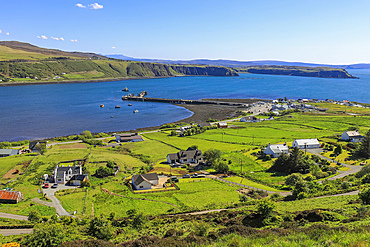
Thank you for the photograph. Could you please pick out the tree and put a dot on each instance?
(365, 196)
(34, 216)
(194, 147)
(364, 148)
(338, 150)
(41, 148)
(293, 179)
(87, 134)
(292, 163)
(299, 188)
(212, 156)
(103, 171)
(221, 167)
(173, 133)
(110, 164)
(315, 170)
(265, 207)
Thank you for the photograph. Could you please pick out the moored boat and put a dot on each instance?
(101, 105)
(129, 104)
(136, 111)
(117, 106)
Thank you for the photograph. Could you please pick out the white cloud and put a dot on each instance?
(57, 38)
(42, 37)
(74, 40)
(1, 31)
(113, 47)
(7, 33)
(95, 6)
(62, 39)
(80, 5)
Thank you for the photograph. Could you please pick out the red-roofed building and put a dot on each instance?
(10, 196)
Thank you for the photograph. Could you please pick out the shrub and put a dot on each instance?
(365, 196)
(265, 207)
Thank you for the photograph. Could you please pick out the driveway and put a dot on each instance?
(13, 216)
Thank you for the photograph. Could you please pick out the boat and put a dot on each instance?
(136, 111)
(111, 116)
(125, 89)
(101, 105)
(129, 104)
(117, 106)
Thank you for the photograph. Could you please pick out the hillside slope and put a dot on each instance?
(22, 62)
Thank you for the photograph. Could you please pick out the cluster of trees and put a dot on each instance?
(13, 144)
(363, 150)
(297, 162)
(105, 171)
(213, 158)
(304, 187)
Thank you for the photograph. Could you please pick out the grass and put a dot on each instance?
(251, 183)
(11, 162)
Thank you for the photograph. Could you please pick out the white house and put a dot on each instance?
(8, 152)
(276, 150)
(352, 136)
(306, 143)
(185, 157)
(249, 119)
(144, 181)
(62, 174)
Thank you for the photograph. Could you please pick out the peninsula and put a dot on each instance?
(324, 72)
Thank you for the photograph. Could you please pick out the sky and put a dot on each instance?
(317, 31)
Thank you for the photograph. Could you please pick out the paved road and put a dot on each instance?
(13, 216)
(8, 232)
(352, 169)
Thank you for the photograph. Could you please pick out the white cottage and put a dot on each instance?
(276, 150)
(185, 157)
(62, 174)
(144, 181)
(306, 143)
(352, 136)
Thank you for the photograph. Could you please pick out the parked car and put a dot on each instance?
(174, 179)
(186, 176)
(46, 185)
(54, 186)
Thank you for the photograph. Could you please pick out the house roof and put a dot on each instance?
(206, 124)
(249, 118)
(277, 148)
(8, 151)
(126, 134)
(188, 154)
(62, 169)
(130, 138)
(222, 123)
(145, 177)
(79, 177)
(353, 134)
(10, 195)
(34, 143)
(307, 141)
(173, 156)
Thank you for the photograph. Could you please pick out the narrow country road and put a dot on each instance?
(8, 232)
(13, 216)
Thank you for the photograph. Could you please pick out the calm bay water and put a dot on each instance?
(41, 111)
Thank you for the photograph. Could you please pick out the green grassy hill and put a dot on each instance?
(22, 62)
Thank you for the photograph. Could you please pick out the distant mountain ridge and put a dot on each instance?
(235, 63)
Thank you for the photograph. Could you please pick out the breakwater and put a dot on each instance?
(183, 101)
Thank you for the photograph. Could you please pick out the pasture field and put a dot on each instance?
(336, 108)
(194, 194)
(251, 183)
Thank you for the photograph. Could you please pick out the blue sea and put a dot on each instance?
(44, 111)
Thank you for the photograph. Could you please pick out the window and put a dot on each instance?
(141, 186)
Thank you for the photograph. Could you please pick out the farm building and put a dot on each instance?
(8, 152)
(144, 181)
(10, 196)
(276, 150)
(185, 157)
(352, 136)
(204, 125)
(63, 174)
(222, 125)
(77, 180)
(130, 137)
(306, 143)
